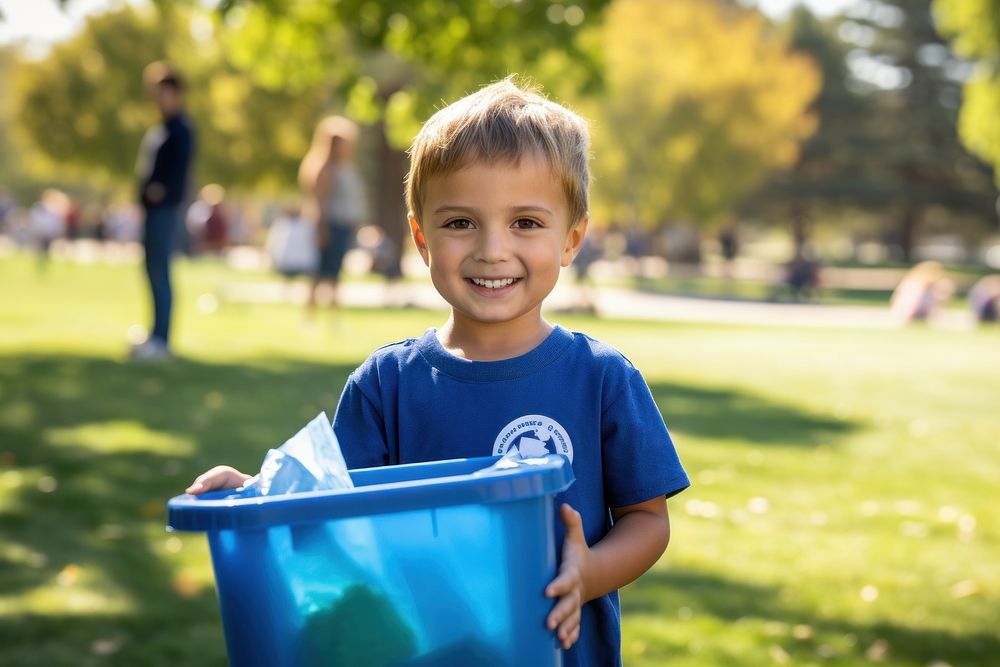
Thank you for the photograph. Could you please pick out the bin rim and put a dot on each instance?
(381, 490)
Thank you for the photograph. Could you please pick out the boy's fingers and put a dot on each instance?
(573, 522)
(219, 477)
(572, 634)
(565, 610)
(567, 624)
(559, 586)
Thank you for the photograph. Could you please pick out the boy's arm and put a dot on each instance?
(635, 542)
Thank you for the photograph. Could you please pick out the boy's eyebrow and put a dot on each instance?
(450, 208)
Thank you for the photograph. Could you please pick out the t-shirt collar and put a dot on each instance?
(488, 371)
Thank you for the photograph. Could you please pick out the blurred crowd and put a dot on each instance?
(210, 226)
(284, 239)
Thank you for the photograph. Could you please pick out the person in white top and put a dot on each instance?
(334, 199)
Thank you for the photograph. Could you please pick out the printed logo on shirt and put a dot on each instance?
(534, 435)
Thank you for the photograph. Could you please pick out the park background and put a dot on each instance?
(844, 460)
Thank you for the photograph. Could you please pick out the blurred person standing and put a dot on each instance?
(334, 199)
(729, 248)
(208, 222)
(163, 167)
(47, 222)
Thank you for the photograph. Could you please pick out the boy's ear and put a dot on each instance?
(418, 237)
(574, 241)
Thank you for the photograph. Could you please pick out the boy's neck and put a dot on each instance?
(478, 341)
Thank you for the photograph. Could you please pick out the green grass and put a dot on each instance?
(759, 290)
(843, 508)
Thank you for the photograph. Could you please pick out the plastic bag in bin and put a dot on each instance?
(310, 460)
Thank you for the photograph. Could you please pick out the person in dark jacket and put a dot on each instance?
(164, 164)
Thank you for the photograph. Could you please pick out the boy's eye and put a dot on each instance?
(526, 223)
(459, 223)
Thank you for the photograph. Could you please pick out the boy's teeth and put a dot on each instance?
(493, 284)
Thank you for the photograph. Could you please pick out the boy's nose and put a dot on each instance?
(494, 246)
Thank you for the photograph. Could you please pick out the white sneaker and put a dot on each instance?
(152, 349)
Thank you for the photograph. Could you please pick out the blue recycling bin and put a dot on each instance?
(440, 564)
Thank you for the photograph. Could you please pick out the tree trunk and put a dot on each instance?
(390, 209)
(800, 230)
(909, 223)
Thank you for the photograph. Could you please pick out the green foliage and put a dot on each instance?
(887, 141)
(974, 26)
(702, 102)
(829, 167)
(85, 109)
(979, 124)
(915, 156)
(8, 171)
(83, 106)
(399, 60)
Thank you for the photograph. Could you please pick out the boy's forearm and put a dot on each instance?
(635, 542)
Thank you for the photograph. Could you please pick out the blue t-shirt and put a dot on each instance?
(413, 401)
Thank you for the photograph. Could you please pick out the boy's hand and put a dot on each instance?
(219, 477)
(568, 586)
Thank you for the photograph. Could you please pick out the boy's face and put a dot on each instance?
(495, 237)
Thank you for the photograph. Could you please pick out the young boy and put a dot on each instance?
(497, 193)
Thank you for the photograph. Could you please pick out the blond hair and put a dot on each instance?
(502, 122)
(319, 151)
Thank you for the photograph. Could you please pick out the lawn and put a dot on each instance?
(843, 510)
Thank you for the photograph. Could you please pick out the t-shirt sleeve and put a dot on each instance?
(360, 428)
(640, 461)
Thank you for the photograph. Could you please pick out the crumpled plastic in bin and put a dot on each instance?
(358, 593)
(310, 460)
(512, 459)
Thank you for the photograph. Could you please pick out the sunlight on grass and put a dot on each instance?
(842, 511)
(76, 589)
(118, 436)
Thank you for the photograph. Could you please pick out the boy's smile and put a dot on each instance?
(495, 237)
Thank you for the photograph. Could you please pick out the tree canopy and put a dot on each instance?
(694, 103)
(702, 101)
(974, 26)
(85, 110)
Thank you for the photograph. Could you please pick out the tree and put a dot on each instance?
(974, 26)
(915, 157)
(831, 170)
(702, 102)
(85, 109)
(886, 141)
(10, 174)
(82, 106)
(391, 63)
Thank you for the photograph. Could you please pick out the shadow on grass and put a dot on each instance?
(152, 428)
(103, 522)
(728, 414)
(731, 601)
